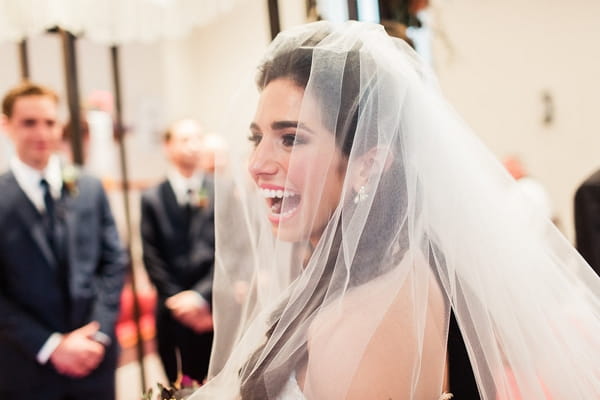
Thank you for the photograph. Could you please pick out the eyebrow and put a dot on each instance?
(278, 125)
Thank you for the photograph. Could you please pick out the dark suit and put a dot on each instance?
(179, 255)
(460, 372)
(33, 304)
(587, 220)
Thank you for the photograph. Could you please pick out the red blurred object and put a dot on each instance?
(515, 167)
(126, 329)
(417, 5)
(515, 393)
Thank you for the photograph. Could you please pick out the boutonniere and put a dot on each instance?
(70, 179)
(181, 389)
(201, 198)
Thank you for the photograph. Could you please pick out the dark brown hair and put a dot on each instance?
(296, 64)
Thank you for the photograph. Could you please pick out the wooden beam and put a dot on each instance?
(70, 65)
(114, 57)
(23, 59)
(274, 18)
(352, 10)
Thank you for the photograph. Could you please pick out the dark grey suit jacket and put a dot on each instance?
(178, 256)
(587, 220)
(32, 304)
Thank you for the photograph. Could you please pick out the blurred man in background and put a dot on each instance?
(177, 225)
(587, 220)
(62, 265)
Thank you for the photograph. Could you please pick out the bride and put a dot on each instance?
(361, 213)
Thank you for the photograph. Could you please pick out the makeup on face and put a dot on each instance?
(295, 162)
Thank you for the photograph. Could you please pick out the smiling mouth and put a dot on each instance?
(282, 203)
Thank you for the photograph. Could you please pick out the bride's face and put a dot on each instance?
(296, 164)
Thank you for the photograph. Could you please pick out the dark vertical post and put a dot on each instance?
(23, 59)
(70, 64)
(352, 10)
(274, 18)
(114, 53)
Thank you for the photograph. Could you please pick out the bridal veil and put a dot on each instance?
(426, 220)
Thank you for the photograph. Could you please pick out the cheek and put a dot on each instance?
(57, 135)
(319, 178)
(27, 138)
(335, 182)
(297, 177)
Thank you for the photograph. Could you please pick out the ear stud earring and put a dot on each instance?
(361, 195)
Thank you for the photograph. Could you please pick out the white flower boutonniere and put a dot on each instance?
(70, 178)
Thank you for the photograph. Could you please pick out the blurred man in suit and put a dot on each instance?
(178, 241)
(61, 264)
(587, 220)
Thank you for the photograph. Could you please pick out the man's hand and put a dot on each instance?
(78, 355)
(191, 310)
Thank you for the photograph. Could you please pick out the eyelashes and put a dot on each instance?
(287, 139)
(254, 138)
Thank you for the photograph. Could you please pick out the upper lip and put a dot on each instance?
(270, 186)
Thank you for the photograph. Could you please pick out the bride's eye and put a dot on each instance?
(255, 138)
(288, 139)
(292, 139)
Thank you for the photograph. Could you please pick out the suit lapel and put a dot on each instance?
(206, 212)
(69, 209)
(32, 219)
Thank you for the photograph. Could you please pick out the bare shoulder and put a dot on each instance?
(374, 341)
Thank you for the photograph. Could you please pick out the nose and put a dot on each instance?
(262, 161)
(45, 130)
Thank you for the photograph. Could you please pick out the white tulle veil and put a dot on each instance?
(427, 220)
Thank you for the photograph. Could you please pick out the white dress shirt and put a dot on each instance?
(29, 179)
(182, 185)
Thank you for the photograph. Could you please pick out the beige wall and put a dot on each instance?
(495, 58)
(203, 70)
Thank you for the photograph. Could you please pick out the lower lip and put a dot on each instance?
(276, 219)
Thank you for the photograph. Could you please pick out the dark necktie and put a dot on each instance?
(56, 234)
(50, 219)
(188, 210)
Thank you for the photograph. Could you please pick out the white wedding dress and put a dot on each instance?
(291, 390)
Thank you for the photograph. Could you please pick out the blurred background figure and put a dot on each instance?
(65, 144)
(97, 132)
(213, 153)
(62, 265)
(102, 155)
(587, 220)
(178, 250)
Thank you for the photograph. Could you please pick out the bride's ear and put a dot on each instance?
(374, 161)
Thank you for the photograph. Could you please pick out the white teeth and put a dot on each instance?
(288, 212)
(285, 214)
(279, 194)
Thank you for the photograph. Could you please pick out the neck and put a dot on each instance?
(314, 240)
(37, 165)
(186, 172)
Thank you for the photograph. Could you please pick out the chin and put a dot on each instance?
(288, 235)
